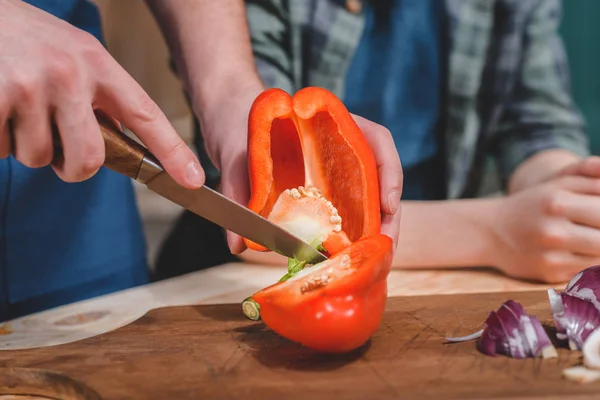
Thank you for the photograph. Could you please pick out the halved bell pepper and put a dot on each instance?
(313, 172)
(311, 169)
(334, 306)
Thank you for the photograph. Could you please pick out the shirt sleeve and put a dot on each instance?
(540, 114)
(269, 27)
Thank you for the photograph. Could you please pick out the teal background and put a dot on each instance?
(580, 30)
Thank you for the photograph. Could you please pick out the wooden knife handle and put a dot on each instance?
(123, 154)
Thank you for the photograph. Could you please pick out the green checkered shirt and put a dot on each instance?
(507, 91)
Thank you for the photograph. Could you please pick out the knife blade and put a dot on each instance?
(217, 208)
(128, 157)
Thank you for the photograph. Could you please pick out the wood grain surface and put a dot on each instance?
(228, 283)
(213, 352)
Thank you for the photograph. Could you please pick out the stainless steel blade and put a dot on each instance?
(230, 215)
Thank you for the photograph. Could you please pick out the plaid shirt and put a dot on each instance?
(507, 91)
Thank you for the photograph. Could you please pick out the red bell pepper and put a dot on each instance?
(313, 172)
(334, 306)
(311, 169)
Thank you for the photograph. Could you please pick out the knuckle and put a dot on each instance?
(554, 203)
(552, 237)
(26, 86)
(86, 168)
(383, 131)
(175, 149)
(93, 52)
(92, 160)
(36, 158)
(64, 71)
(147, 110)
(550, 263)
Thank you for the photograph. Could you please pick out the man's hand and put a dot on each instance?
(224, 126)
(550, 231)
(52, 73)
(234, 168)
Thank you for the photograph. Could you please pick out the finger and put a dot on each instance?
(235, 186)
(562, 266)
(583, 240)
(82, 144)
(589, 167)
(5, 138)
(388, 163)
(579, 208)
(122, 97)
(390, 226)
(32, 135)
(109, 118)
(580, 184)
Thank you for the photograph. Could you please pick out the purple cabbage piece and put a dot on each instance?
(579, 319)
(510, 331)
(492, 339)
(586, 285)
(558, 312)
(576, 310)
(510, 321)
(543, 346)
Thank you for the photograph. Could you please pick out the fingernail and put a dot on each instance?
(394, 201)
(194, 174)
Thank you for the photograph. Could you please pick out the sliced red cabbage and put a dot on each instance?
(514, 335)
(493, 339)
(586, 285)
(558, 312)
(510, 331)
(579, 318)
(576, 310)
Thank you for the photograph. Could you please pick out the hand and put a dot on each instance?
(52, 73)
(224, 125)
(390, 172)
(551, 231)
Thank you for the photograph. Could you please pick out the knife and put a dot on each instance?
(126, 156)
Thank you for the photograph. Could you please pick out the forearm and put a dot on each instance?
(441, 234)
(446, 234)
(210, 44)
(539, 168)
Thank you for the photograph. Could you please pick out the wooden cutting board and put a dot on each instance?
(213, 352)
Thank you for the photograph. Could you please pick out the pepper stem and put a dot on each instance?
(294, 266)
(251, 309)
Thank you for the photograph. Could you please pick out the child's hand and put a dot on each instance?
(550, 231)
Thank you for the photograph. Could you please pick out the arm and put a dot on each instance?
(71, 77)
(210, 44)
(541, 167)
(446, 234)
(212, 48)
(441, 234)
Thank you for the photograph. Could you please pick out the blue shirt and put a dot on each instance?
(63, 242)
(395, 79)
